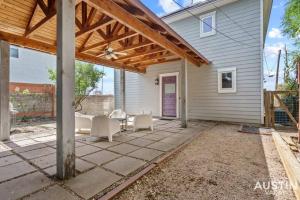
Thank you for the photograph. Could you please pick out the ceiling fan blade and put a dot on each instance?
(121, 53)
(114, 56)
(108, 57)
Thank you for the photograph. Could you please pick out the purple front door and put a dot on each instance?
(169, 96)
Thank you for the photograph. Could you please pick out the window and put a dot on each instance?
(14, 52)
(227, 80)
(208, 24)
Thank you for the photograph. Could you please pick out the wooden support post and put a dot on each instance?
(277, 69)
(183, 95)
(65, 117)
(122, 89)
(4, 91)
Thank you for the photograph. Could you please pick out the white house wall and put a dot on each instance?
(204, 101)
(31, 67)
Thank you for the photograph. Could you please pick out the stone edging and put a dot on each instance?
(290, 163)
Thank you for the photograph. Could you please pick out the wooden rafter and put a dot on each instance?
(167, 28)
(143, 66)
(44, 47)
(143, 53)
(101, 23)
(147, 59)
(131, 47)
(48, 10)
(109, 40)
(113, 10)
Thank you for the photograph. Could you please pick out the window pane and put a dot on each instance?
(227, 80)
(207, 24)
(14, 52)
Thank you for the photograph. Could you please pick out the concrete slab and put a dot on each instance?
(92, 182)
(82, 165)
(123, 148)
(162, 146)
(45, 161)
(19, 187)
(139, 134)
(124, 165)
(123, 138)
(15, 170)
(53, 192)
(5, 153)
(9, 160)
(146, 154)
(105, 144)
(142, 142)
(38, 152)
(155, 137)
(46, 138)
(101, 157)
(84, 150)
(30, 147)
(51, 171)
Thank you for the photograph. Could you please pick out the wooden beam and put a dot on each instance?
(30, 18)
(147, 59)
(109, 40)
(159, 22)
(113, 10)
(29, 31)
(131, 47)
(43, 6)
(95, 26)
(91, 16)
(157, 62)
(47, 48)
(144, 53)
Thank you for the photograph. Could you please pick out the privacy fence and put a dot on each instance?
(38, 100)
(281, 108)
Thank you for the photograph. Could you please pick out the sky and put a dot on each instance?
(275, 40)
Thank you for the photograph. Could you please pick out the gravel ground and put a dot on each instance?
(220, 164)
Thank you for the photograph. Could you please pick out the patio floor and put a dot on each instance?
(28, 160)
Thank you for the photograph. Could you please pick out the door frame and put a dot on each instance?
(177, 92)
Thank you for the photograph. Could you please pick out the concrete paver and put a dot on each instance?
(22, 186)
(101, 157)
(124, 165)
(92, 182)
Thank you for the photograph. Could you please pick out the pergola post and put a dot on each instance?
(4, 91)
(122, 89)
(65, 117)
(183, 95)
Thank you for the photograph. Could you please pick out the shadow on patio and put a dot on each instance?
(100, 166)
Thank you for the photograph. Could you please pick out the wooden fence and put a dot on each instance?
(275, 102)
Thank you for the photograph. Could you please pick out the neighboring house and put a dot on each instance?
(231, 87)
(29, 66)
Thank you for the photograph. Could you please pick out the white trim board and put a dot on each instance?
(177, 92)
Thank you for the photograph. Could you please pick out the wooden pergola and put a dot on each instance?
(125, 25)
(84, 30)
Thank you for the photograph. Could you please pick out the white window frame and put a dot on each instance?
(13, 47)
(213, 31)
(226, 70)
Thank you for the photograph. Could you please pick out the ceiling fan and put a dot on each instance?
(110, 53)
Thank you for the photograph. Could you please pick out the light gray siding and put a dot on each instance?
(204, 101)
(31, 67)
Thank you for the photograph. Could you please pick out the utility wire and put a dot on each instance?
(241, 27)
(240, 42)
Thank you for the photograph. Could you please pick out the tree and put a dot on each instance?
(291, 20)
(86, 78)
